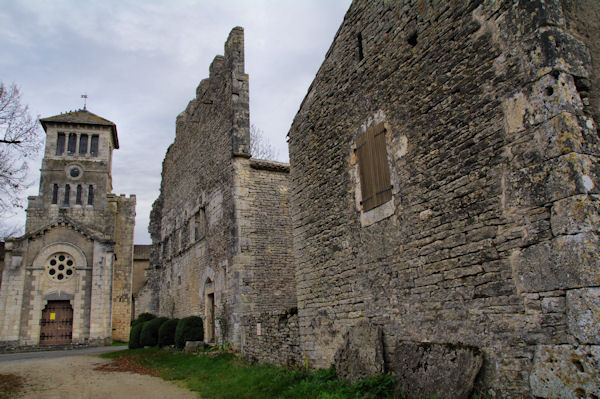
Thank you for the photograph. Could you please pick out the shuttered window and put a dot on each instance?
(374, 172)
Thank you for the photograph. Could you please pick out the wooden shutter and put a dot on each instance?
(376, 188)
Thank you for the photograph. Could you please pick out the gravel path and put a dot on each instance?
(75, 377)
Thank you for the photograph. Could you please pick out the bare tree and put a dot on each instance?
(20, 138)
(260, 148)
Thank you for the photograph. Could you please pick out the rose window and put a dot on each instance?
(60, 267)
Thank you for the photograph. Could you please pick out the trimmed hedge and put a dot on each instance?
(189, 329)
(142, 318)
(134, 336)
(149, 334)
(166, 332)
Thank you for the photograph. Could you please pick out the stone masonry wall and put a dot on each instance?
(273, 338)
(490, 238)
(265, 251)
(196, 184)
(123, 267)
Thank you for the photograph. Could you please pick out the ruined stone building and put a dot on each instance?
(220, 228)
(68, 278)
(440, 217)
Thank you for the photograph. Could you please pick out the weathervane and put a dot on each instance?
(84, 96)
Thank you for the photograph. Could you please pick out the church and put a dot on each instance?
(68, 279)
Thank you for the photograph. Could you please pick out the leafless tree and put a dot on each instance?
(260, 148)
(20, 137)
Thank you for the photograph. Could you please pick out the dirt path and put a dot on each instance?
(75, 377)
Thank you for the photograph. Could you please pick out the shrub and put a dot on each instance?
(142, 318)
(134, 336)
(149, 334)
(166, 332)
(189, 329)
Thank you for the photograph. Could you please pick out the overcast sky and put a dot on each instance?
(141, 61)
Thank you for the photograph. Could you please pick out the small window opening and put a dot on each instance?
(78, 195)
(60, 144)
(83, 144)
(359, 40)
(67, 194)
(199, 224)
(412, 39)
(94, 146)
(71, 146)
(55, 194)
(90, 195)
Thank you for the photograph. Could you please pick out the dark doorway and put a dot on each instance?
(210, 317)
(56, 323)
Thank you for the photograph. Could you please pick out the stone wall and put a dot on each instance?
(490, 236)
(123, 267)
(265, 259)
(272, 337)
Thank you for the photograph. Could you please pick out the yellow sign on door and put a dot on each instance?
(52, 316)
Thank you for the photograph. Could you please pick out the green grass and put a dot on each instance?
(225, 376)
(118, 343)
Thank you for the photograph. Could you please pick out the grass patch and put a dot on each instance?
(10, 385)
(118, 343)
(221, 376)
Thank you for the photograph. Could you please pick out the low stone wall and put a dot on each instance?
(273, 338)
(14, 347)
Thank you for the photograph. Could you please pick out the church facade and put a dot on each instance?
(68, 279)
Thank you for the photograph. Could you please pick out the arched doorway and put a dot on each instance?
(56, 325)
(209, 310)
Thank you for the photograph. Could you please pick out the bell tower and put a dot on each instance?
(76, 170)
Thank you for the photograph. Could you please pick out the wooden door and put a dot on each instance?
(56, 323)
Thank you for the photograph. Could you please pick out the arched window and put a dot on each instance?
(83, 144)
(91, 195)
(78, 196)
(55, 194)
(94, 146)
(67, 194)
(60, 144)
(72, 144)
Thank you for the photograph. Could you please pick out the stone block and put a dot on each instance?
(443, 370)
(361, 354)
(583, 314)
(193, 346)
(576, 214)
(565, 262)
(566, 371)
(551, 181)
